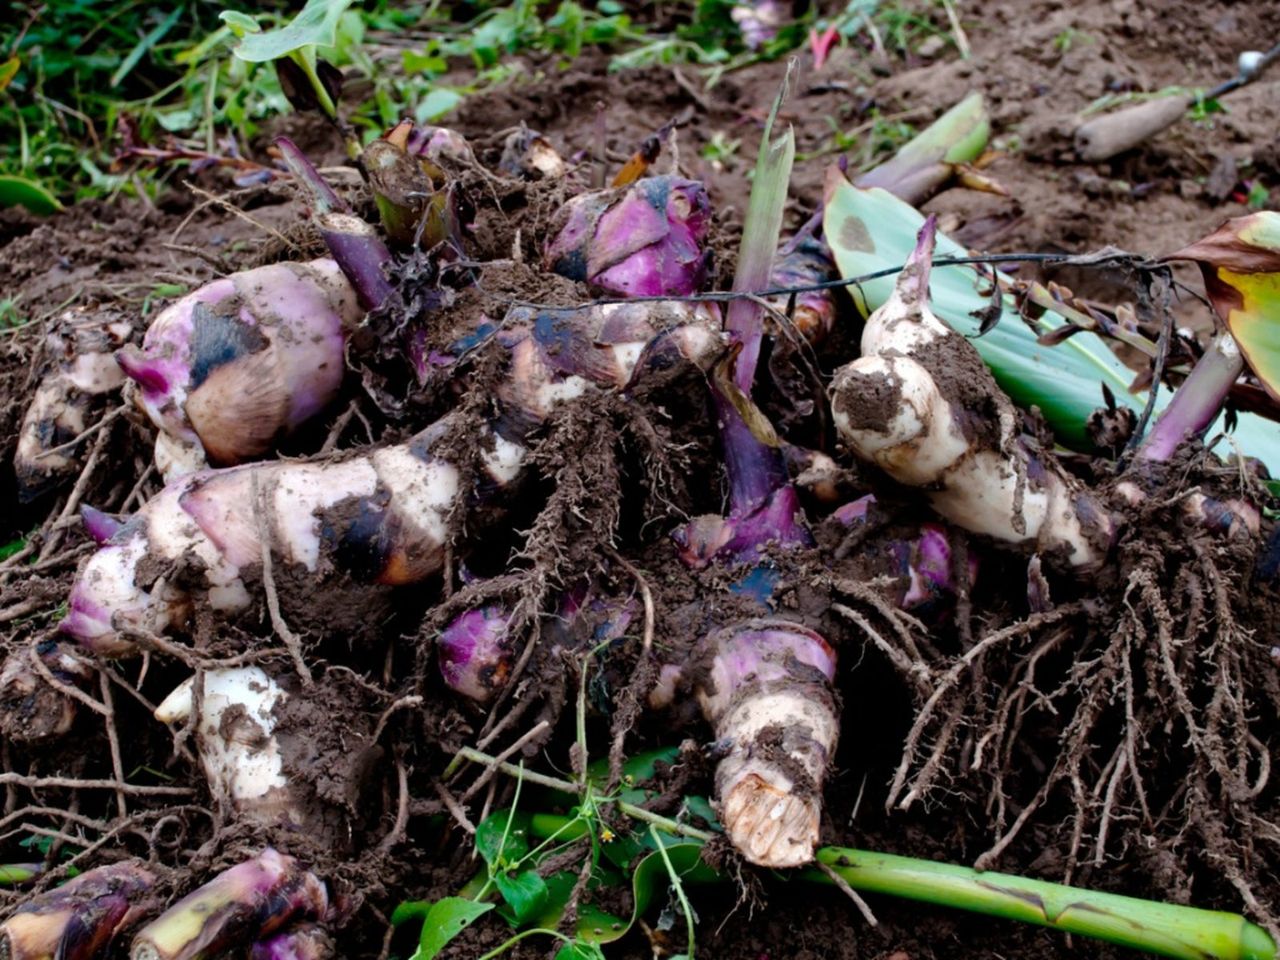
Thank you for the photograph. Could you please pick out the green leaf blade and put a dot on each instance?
(316, 25)
(444, 920)
(19, 191)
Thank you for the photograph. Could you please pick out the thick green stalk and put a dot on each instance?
(1167, 929)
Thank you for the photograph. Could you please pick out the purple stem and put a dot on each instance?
(755, 469)
(354, 244)
(1197, 403)
(323, 197)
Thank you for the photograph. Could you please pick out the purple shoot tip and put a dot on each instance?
(644, 240)
(100, 526)
(139, 368)
(913, 281)
(323, 198)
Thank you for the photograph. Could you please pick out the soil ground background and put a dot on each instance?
(1038, 63)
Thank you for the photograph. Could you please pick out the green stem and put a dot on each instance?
(678, 887)
(507, 944)
(1166, 929)
(305, 58)
(566, 786)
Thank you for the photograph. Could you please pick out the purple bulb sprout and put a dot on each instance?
(643, 240)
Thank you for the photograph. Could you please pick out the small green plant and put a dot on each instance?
(10, 316)
(720, 148)
(1069, 38)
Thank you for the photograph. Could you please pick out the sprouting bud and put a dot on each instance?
(528, 155)
(476, 651)
(30, 708)
(922, 563)
(779, 522)
(759, 21)
(308, 941)
(78, 373)
(642, 240)
(241, 362)
(805, 263)
(247, 903)
(80, 919)
(235, 739)
(439, 150)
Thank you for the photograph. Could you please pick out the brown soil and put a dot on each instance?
(1165, 660)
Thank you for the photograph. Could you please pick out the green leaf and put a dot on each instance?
(649, 880)
(16, 190)
(8, 70)
(315, 26)
(525, 893)
(871, 230)
(503, 838)
(444, 920)
(429, 63)
(437, 103)
(240, 24)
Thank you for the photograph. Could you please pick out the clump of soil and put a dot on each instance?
(1117, 732)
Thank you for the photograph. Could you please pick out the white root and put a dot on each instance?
(768, 694)
(922, 406)
(234, 733)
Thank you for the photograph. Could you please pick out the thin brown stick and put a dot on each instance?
(106, 420)
(290, 639)
(77, 493)
(113, 740)
(22, 608)
(403, 703)
(63, 688)
(646, 596)
(397, 834)
(454, 807)
(864, 908)
(72, 783)
(535, 731)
